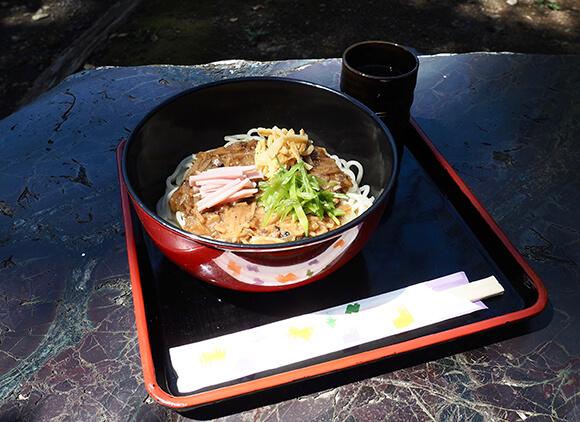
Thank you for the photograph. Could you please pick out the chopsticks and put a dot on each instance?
(478, 290)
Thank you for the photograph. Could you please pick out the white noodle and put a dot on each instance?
(172, 183)
(230, 139)
(358, 196)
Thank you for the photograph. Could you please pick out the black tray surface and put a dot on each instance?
(429, 230)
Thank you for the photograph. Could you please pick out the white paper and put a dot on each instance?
(229, 357)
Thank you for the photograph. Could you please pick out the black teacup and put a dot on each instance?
(381, 75)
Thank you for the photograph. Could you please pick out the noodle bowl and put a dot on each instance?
(200, 119)
(245, 221)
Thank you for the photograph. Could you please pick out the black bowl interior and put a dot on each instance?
(198, 120)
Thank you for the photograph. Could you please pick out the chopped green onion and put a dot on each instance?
(296, 193)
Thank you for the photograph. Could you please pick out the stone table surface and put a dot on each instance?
(509, 124)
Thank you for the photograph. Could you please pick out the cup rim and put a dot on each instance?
(346, 64)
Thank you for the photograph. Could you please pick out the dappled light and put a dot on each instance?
(35, 34)
(534, 14)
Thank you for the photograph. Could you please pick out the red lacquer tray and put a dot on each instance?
(433, 226)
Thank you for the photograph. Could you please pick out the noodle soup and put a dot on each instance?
(267, 186)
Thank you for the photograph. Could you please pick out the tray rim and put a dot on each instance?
(188, 402)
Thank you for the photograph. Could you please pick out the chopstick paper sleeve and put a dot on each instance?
(233, 356)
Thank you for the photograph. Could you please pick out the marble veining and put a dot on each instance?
(507, 123)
